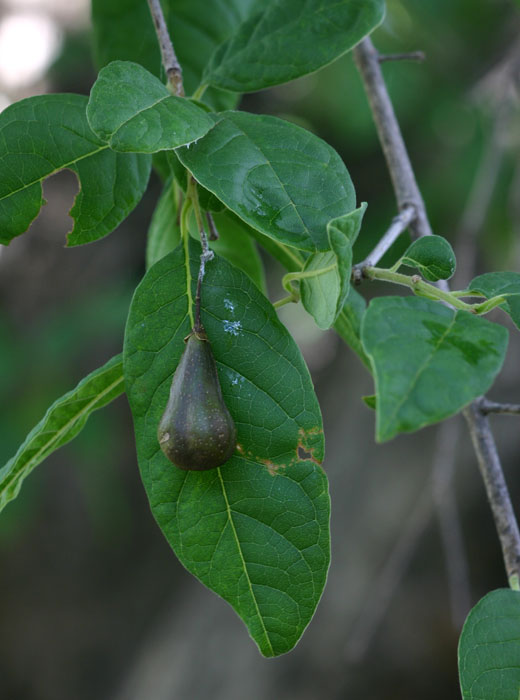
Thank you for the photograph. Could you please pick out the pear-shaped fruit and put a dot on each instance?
(196, 430)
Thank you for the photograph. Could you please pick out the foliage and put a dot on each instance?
(256, 530)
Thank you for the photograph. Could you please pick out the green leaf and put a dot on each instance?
(288, 39)
(324, 294)
(276, 176)
(433, 256)
(164, 232)
(497, 283)
(62, 422)
(348, 324)
(123, 29)
(40, 136)
(370, 401)
(207, 200)
(132, 111)
(255, 531)
(428, 361)
(489, 648)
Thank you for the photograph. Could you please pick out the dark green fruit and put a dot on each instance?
(196, 430)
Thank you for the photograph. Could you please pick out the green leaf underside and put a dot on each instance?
(62, 422)
(494, 283)
(278, 177)
(489, 648)
(348, 324)
(428, 361)
(255, 531)
(123, 29)
(40, 136)
(164, 231)
(324, 295)
(268, 49)
(433, 256)
(132, 111)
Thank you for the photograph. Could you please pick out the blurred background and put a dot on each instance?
(93, 603)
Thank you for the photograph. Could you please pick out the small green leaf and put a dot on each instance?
(132, 111)
(276, 176)
(433, 256)
(428, 361)
(164, 231)
(288, 39)
(370, 401)
(497, 283)
(207, 200)
(40, 136)
(324, 294)
(255, 531)
(62, 422)
(489, 648)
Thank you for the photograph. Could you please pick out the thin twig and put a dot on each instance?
(169, 58)
(394, 149)
(496, 488)
(213, 231)
(487, 406)
(411, 56)
(407, 192)
(399, 224)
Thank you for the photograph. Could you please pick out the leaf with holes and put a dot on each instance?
(256, 530)
(267, 49)
(276, 176)
(62, 422)
(494, 284)
(132, 111)
(433, 256)
(40, 136)
(428, 361)
(489, 648)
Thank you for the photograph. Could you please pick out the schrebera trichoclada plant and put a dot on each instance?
(252, 468)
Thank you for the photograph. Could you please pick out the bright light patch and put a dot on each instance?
(28, 44)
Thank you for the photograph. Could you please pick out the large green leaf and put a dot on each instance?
(132, 111)
(428, 360)
(494, 284)
(433, 256)
(290, 38)
(123, 29)
(348, 324)
(255, 530)
(40, 136)
(62, 422)
(489, 648)
(276, 176)
(324, 293)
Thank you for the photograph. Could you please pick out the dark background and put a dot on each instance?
(93, 603)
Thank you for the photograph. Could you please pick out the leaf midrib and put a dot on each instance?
(241, 555)
(58, 434)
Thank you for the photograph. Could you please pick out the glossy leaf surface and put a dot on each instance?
(255, 530)
(433, 256)
(132, 111)
(276, 176)
(428, 361)
(267, 49)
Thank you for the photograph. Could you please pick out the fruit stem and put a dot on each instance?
(207, 253)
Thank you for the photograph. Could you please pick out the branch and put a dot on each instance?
(496, 488)
(487, 406)
(169, 58)
(399, 224)
(411, 56)
(394, 149)
(407, 192)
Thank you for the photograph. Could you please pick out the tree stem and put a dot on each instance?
(169, 58)
(407, 192)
